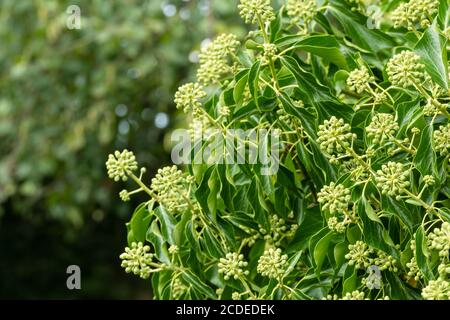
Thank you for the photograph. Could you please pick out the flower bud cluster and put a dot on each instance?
(272, 263)
(137, 259)
(232, 266)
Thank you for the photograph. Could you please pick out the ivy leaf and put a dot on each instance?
(354, 27)
(139, 222)
(422, 254)
(425, 159)
(325, 46)
(167, 222)
(321, 251)
(198, 284)
(431, 47)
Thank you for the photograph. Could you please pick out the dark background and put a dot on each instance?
(68, 98)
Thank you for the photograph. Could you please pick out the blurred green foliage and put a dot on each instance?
(67, 99)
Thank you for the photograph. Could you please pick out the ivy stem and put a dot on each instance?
(436, 103)
(400, 145)
(143, 186)
(267, 41)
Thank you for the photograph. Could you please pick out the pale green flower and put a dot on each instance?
(392, 178)
(279, 230)
(272, 263)
(188, 97)
(252, 10)
(178, 289)
(354, 295)
(358, 80)
(429, 180)
(120, 164)
(124, 195)
(385, 262)
(171, 186)
(335, 198)
(214, 58)
(232, 266)
(439, 239)
(235, 296)
(415, 13)
(405, 69)
(359, 255)
(334, 224)
(301, 11)
(413, 269)
(174, 249)
(441, 139)
(269, 51)
(437, 290)
(137, 259)
(334, 136)
(381, 127)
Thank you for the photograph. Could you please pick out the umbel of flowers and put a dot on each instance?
(361, 195)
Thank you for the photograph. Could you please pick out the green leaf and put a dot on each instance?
(293, 263)
(340, 250)
(425, 159)
(139, 222)
(431, 47)
(405, 214)
(374, 231)
(316, 94)
(354, 27)
(349, 284)
(325, 46)
(167, 223)
(239, 88)
(155, 237)
(212, 245)
(444, 15)
(193, 280)
(321, 251)
(253, 80)
(422, 254)
(307, 120)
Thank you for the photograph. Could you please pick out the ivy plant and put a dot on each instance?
(358, 207)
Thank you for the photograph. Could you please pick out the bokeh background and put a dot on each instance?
(68, 98)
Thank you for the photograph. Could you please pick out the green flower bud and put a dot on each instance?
(334, 136)
(188, 97)
(439, 240)
(272, 263)
(381, 127)
(359, 79)
(301, 11)
(214, 58)
(392, 178)
(415, 13)
(354, 295)
(120, 164)
(251, 10)
(335, 198)
(385, 262)
(405, 69)
(441, 139)
(359, 255)
(137, 259)
(171, 186)
(429, 180)
(124, 195)
(178, 289)
(232, 266)
(270, 51)
(437, 290)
